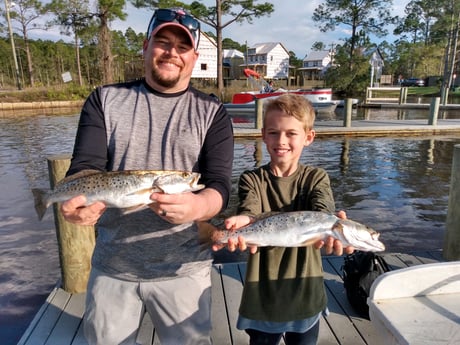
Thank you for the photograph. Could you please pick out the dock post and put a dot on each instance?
(403, 95)
(451, 250)
(75, 242)
(434, 110)
(349, 110)
(368, 95)
(259, 113)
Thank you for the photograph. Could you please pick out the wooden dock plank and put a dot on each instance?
(146, 332)
(59, 319)
(68, 323)
(80, 337)
(339, 309)
(220, 326)
(233, 288)
(325, 336)
(45, 320)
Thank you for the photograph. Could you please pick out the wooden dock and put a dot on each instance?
(59, 320)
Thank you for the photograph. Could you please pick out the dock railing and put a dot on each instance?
(381, 91)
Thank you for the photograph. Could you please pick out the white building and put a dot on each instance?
(206, 66)
(233, 60)
(315, 64)
(270, 60)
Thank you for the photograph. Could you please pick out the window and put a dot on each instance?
(204, 67)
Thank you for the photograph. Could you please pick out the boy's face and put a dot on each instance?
(285, 138)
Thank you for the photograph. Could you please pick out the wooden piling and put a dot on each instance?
(403, 95)
(434, 111)
(259, 113)
(76, 242)
(348, 112)
(451, 250)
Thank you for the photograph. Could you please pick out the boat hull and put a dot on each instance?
(314, 95)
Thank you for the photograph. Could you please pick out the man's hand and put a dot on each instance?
(332, 245)
(75, 211)
(187, 207)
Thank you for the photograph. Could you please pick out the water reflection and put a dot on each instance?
(399, 186)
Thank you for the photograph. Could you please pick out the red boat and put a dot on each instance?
(318, 97)
(314, 95)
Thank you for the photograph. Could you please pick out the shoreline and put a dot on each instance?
(40, 108)
(248, 130)
(40, 105)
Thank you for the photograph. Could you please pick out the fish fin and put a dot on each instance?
(142, 191)
(198, 187)
(83, 173)
(40, 202)
(132, 209)
(266, 215)
(170, 190)
(208, 234)
(311, 241)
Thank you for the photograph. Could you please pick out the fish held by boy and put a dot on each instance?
(297, 229)
(128, 190)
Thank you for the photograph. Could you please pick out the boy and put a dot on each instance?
(284, 290)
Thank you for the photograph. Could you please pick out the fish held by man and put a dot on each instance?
(128, 190)
(297, 229)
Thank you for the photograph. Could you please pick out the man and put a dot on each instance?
(152, 258)
(269, 87)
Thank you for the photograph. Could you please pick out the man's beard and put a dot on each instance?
(162, 81)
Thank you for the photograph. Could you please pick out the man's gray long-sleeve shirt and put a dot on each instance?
(130, 126)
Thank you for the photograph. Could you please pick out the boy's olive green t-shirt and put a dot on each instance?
(284, 284)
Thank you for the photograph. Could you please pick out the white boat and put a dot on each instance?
(342, 102)
(417, 305)
(320, 98)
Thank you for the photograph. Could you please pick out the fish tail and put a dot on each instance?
(208, 234)
(40, 202)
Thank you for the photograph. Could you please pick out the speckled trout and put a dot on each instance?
(129, 190)
(297, 229)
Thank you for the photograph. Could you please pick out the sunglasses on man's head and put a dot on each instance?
(162, 16)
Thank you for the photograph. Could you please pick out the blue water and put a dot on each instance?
(399, 186)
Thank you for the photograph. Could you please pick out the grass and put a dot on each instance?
(43, 94)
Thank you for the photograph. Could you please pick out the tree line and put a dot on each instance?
(426, 43)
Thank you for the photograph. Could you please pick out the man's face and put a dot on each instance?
(169, 58)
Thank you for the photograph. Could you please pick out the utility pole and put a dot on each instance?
(13, 48)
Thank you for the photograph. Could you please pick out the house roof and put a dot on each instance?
(232, 53)
(316, 55)
(265, 48)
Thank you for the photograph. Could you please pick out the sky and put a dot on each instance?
(291, 24)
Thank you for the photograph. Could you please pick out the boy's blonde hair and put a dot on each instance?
(293, 105)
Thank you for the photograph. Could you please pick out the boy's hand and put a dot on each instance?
(233, 223)
(332, 245)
